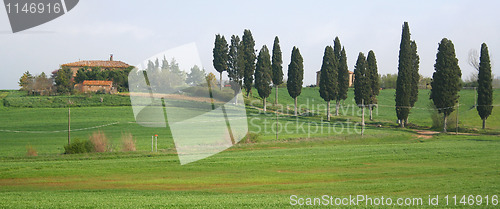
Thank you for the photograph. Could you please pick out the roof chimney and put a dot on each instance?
(111, 57)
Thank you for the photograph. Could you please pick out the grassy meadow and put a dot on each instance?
(307, 160)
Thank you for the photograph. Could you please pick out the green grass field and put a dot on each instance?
(387, 161)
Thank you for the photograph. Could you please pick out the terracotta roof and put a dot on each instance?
(98, 63)
(97, 83)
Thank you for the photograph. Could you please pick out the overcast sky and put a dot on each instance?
(136, 30)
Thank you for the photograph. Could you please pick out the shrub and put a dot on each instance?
(437, 119)
(128, 142)
(252, 137)
(100, 141)
(78, 146)
(31, 151)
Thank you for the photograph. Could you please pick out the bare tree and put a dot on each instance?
(474, 59)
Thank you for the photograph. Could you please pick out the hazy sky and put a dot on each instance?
(136, 30)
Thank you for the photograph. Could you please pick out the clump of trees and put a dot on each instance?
(196, 76)
(119, 77)
(167, 77)
(238, 59)
(388, 81)
(244, 66)
(63, 82)
(36, 84)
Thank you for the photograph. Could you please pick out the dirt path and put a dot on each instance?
(426, 134)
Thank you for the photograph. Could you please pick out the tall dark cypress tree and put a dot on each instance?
(220, 53)
(277, 61)
(446, 80)
(372, 76)
(343, 79)
(361, 84)
(415, 76)
(249, 56)
(328, 88)
(342, 73)
(263, 74)
(403, 83)
(484, 89)
(235, 65)
(295, 76)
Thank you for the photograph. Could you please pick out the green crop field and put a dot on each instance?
(309, 160)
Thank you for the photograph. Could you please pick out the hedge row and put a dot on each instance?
(62, 101)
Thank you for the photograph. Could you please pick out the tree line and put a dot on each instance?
(62, 81)
(241, 63)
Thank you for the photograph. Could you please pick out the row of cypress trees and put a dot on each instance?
(241, 63)
(445, 80)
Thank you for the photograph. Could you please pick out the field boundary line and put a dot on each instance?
(58, 131)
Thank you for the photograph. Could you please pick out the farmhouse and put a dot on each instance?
(95, 86)
(351, 78)
(103, 64)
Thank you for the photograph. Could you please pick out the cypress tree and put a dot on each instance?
(263, 74)
(295, 76)
(328, 87)
(415, 76)
(372, 78)
(403, 83)
(342, 72)
(445, 80)
(277, 69)
(235, 64)
(220, 53)
(361, 85)
(343, 79)
(484, 89)
(249, 56)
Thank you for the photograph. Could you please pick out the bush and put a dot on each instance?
(78, 146)
(437, 119)
(251, 137)
(128, 142)
(31, 151)
(99, 141)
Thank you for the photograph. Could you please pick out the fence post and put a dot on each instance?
(458, 107)
(156, 142)
(362, 116)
